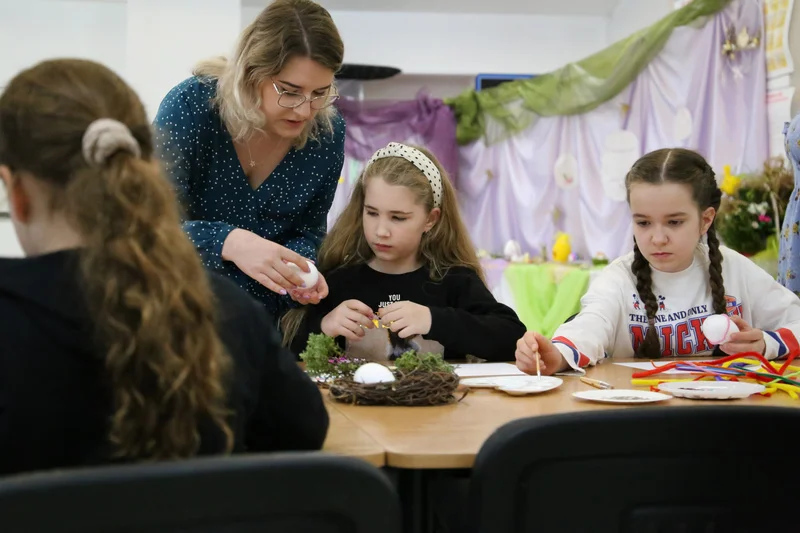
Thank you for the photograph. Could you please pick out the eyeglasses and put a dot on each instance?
(290, 100)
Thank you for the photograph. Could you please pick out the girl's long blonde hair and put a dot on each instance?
(149, 298)
(445, 246)
(284, 30)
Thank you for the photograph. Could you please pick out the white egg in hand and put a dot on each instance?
(718, 329)
(310, 278)
(371, 373)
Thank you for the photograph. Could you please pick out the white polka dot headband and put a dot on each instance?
(419, 160)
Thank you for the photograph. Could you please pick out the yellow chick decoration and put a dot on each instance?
(561, 248)
(730, 183)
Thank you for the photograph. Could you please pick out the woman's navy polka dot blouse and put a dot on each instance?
(290, 208)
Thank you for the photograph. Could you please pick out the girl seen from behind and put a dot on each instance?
(118, 345)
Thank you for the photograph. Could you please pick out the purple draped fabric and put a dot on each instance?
(426, 121)
(690, 95)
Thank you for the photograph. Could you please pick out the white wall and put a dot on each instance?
(631, 16)
(167, 38)
(438, 43)
(444, 52)
(9, 245)
(33, 30)
(441, 51)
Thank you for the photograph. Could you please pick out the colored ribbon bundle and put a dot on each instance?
(746, 366)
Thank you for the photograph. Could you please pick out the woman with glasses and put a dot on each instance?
(256, 151)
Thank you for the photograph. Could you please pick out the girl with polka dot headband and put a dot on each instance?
(403, 272)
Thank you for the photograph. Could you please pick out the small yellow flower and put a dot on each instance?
(730, 183)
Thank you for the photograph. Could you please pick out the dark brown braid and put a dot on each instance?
(715, 259)
(651, 346)
(676, 165)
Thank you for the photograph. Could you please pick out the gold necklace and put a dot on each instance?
(252, 161)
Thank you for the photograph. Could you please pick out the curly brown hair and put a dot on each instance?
(149, 298)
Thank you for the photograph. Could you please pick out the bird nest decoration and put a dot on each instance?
(416, 379)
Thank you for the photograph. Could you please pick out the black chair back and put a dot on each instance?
(290, 492)
(689, 469)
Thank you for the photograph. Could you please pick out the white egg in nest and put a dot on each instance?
(718, 329)
(310, 278)
(373, 373)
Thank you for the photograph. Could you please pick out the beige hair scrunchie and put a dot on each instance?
(104, 137)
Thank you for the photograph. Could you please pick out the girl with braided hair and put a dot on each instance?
(679, 272)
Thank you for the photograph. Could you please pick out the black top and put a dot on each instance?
(465, 317)
(54, 398)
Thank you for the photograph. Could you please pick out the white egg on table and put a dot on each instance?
(511, 250)
(372, 373)
(718, 329)
(310, 278)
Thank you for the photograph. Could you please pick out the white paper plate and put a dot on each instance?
(322, 378)
(711, 390)
(621, 396)
(534, 385)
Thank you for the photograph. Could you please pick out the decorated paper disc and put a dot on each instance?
(566, 171)
(620, 152)
(683, 125)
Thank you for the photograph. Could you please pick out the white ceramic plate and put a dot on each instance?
(534, 385)
(621, 396)
(496, 381)
(711, 390)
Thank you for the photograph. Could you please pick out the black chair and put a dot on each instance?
(291, 493)
(692, 469)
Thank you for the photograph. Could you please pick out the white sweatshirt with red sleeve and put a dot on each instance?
(613, 320)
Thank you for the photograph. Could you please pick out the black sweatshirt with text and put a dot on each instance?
(466, 319)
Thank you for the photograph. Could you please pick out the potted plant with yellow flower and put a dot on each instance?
(752, 208)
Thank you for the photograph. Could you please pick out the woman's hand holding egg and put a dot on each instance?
(314, 288)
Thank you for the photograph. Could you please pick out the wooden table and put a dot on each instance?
(346, 438)
(450, 436)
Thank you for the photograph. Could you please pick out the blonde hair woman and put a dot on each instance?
(256, 151)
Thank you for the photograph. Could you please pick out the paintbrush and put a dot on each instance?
(596, 383)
